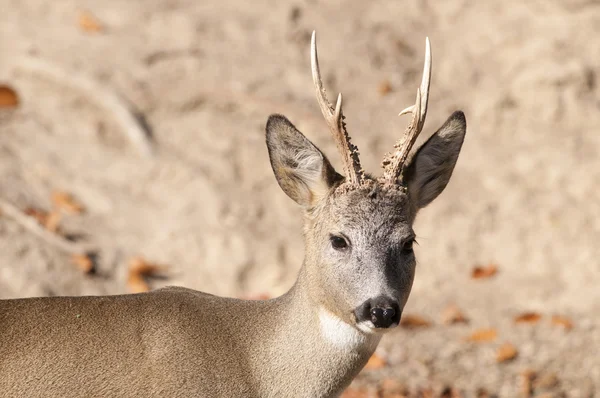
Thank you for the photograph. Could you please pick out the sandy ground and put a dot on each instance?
(205, 75)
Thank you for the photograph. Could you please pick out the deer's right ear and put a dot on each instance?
(301, 169)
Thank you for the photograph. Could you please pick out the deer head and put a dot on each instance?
(360, 263)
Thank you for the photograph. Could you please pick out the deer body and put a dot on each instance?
(175, 342)
(310, 342)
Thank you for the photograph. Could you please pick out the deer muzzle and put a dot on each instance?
(383, 312)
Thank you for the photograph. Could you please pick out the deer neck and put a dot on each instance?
(312, 351)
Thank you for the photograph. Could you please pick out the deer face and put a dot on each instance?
(360, 264)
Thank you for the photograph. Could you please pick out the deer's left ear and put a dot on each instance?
(431, 167)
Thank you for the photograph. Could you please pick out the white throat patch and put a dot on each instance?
(343, 335)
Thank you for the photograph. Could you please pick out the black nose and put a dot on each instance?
(382, 311)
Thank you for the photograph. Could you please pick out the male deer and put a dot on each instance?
(310, 342)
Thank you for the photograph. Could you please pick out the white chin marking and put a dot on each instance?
(340, 333)
(367, 327)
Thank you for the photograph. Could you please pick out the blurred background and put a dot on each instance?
(132, 157)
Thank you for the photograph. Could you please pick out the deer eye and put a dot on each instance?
(408, 246)
(338, 242)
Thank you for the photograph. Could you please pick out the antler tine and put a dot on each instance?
(424, 83)
(335, 121)
(394, 163)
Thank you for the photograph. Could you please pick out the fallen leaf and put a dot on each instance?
(452, 314)
(65, 201)
(527, 317)
(363, 392)
(425, 393)
(527, 377)
(137, 283)
(139, 269)
(375, 362)
(392, 388)
(40, 215)
(89, 23)
(385, 87)
(53, 221)
(8, 97)
(565, 322)
(84, 262)
(483, 335)
(484, 272)
(449, 392)
(414, 321)
(50, 221)
(140, 266)
(506, 352)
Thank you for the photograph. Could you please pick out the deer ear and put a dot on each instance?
(301, 169)
(430, 168)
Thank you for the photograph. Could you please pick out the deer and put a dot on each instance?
(312, 341)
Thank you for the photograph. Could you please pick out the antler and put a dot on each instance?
(393, 164)
(335, 121)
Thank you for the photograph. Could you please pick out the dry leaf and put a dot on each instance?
(449, 392)
(40, 215)
(83, 262)
(481, 272)
(425, 393)
(65, 201)
(452, 314)
(391, 388)
(414, 321)
(137, 283)
(375, 362)
(89, 23)
(8, 97)
(528, 317)
(482, 393)
(50, 221)
(483, 335)
(527, 377)
(53, 221)
(566, 323)
(385, 87)
(138, 270)
(136, 262)
(506, 352)
(363, 392)
(140, 266)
